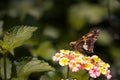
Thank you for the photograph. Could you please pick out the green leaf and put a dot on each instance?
(51, 32)
(1, 45)
(35, 65)
(105, 38)
(8, 67)
(52, 75)
(16, 37)
(45, 50)
(83, 13)
(80, 75)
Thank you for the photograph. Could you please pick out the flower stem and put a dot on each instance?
(68, 70)
(89, 78)
(5, 71)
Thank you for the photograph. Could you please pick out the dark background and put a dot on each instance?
(61, 21)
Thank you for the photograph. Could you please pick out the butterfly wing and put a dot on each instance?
(79, 46)
(86, 43)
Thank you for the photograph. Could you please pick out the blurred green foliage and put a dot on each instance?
(59, 22)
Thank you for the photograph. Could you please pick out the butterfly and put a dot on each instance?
(86, 43)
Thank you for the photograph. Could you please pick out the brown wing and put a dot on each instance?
(86, 43)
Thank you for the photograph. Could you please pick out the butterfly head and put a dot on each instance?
(73, 43)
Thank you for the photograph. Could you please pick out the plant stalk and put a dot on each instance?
(89, 78)
(68, 70)
(5, 65)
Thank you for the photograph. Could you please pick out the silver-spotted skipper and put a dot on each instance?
(86, 43)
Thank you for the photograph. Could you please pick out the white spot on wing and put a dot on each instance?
(85, 46)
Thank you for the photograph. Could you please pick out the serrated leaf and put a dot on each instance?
(8, 68)
(17, 37)
(35, 65)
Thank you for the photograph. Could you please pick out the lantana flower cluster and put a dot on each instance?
(77, 61)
